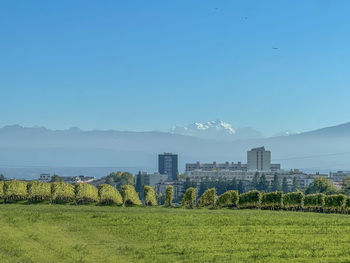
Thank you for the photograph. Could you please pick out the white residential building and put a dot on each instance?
(258, 159)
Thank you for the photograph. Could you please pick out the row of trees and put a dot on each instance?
(272, 200)
(60, 192)
(104, 194)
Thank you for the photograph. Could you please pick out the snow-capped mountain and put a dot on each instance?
(216, 129)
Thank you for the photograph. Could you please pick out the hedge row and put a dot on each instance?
(60, 192)
(273, 200)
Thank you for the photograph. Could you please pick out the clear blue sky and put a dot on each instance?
(146, 65)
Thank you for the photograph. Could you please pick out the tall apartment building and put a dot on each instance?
(258, 159)
(167, 164)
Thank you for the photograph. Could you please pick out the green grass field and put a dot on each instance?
(61, 233)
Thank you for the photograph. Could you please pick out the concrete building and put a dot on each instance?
(45, 178)
(339, 176)
(168, 164)
(152, 179)
(216, 166)
(160, 188)
(258, 159)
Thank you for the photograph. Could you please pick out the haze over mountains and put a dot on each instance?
(326, 148)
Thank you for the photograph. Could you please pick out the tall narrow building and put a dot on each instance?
(258, 159)
(167, 164)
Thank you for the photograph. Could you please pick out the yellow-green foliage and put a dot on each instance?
(109, 195)
(314, 202)
(228, 199)
(273, 200)
(169, 195)
(189, 198)
(208, 198)
(149, 196)
(15, 190)
(2, 194)
(130, 197)
(251, 199)
(335, 202)
(39, 191)
(62, 192)
(86, 193)
(294, 200)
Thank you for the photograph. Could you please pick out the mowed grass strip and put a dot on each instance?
(64, 233)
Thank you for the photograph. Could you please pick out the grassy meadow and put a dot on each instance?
(67, 233)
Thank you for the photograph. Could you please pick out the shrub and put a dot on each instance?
(130, 197)
(314, 202)
(347, 205)
(2, 194)
(15, 190)
(189, 198)
(169, 195)
(86, 193)
(335, 203)
(273, 200)
(251, 199)
(208, 198)
(62, 192)
(293, 201)
(39, 191)
(149, 196)
(228, 199)
(109, 195)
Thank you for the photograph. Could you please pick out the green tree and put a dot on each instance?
(241, 187)
(285, 187)
(56, 178)
(295, 184)
(321, 185)
(2, 177)
(232, 185)
(255, 181)
(138, 186)
(275, 183)
(345, 187)
(119, 179)
(187, 184)
(263, 184)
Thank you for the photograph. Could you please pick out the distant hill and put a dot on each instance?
(19, 146)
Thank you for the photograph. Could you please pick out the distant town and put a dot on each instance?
(257, 173)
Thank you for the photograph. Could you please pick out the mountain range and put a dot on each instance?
(326, 148)
(217, 130)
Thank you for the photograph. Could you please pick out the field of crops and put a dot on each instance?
(69, 233)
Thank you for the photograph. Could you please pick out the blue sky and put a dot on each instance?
(147, 65)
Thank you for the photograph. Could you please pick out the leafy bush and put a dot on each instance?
(15, 190)
(2, 194)
(189, 198)
(228, 199)
(273, 200)
(314, 202)
(251, 199)
(169, 195)
(334, 203)
(293, 201)
(109, 195)
(62, 192)
(130, 197)
(208, 198)
(149, 195)
(86, 193)
(39, 191)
